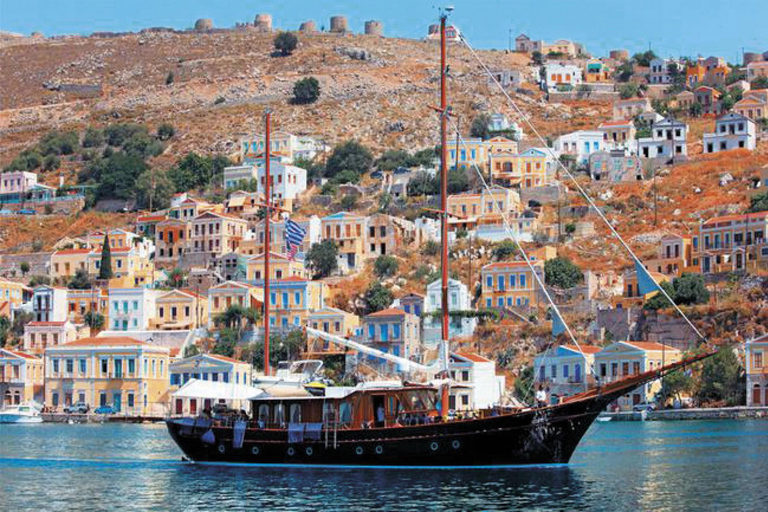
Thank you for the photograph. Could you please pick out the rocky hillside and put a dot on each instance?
(375, 89)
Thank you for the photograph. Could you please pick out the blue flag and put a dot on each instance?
(645, 283)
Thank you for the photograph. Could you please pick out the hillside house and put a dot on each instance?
(668, 140)
(732, 131)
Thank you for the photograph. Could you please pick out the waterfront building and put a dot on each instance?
(566, 370)
(209, 368)
(21, 378)
(128, 374)
(627, 358)
(756, 355)
(291, 299)
(478, 385)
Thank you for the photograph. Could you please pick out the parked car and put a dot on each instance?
(27, 211)
(77, 408)
(106, 409)
(645, 406)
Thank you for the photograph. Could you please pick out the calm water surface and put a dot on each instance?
(629, 466)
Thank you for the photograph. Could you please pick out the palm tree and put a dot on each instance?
(237, 317)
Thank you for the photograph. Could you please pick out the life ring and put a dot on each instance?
(456, 444)
(291, 452)
(222, 448)
(379, 450)
(255, 450)
(309, 451)
(434, 446)
(359, 450)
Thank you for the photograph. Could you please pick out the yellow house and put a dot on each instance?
(21, 378)
(507, 284)
(485, 208)
(66, 262)
(544, 253)
(12, 292)
(118, 239)
(626, 358)
(128, 374)
(348, 231)
(675, 256)
(474, 151)
(333, 321)
(280, 267)
(527, 169)
(223, 295)
(291, 300)
(129, 268)
(180, 310)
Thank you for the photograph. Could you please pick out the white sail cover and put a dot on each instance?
(196, 388)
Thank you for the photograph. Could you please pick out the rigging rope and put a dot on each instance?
(555, 309)
(580, 189)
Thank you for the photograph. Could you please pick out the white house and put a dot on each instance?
(668, 140)
(561, 75)
(458, 300)
(284, 145)
(17, 182)
(484, 388)
(130, 309)
(732, 131)
(579, 144)
(288, 181)
(49, 304)
(659, 71)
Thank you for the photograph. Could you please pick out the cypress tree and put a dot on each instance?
(105, 268)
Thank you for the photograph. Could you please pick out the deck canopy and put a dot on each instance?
(196, 388)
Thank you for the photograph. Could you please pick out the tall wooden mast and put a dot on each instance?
(267, 235)
(444, 179)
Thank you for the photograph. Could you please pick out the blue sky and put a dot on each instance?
(672, 27)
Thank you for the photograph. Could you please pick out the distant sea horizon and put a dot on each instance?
(670, 28)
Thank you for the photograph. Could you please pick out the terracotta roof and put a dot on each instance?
(649, 345)
(46, 324)
(741, 217)
(175, 351)
(388, 312)
(587, 349)
(621, 122)
(509, 264)
(150, 218)
(107, 341)
(224, 358)
(292, 279)
(473, 357)
(65, 252)
(24, 355)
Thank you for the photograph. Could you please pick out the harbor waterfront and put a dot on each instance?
(696, 465)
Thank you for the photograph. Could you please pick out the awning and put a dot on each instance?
(217, 390)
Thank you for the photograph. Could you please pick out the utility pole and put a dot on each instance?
(268, 201)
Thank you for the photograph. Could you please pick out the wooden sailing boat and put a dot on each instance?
(394, 424)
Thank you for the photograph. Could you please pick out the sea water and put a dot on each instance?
(696, 465)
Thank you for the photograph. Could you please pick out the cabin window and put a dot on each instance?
(279, 417)
(295, 413)
(263, 413)
(345, 413)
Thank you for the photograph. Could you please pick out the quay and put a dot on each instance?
(97, 418)
(720, 413)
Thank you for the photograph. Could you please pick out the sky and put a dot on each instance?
(671, 27)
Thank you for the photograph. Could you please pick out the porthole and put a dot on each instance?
(255, 450)
(456, 444)
(379, 450)
(434, 446)
(309, 451)
(359, 450)
(222, 448)
(291, 452)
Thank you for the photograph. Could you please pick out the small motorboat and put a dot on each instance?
(24, 413)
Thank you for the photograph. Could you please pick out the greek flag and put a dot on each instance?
(294, 236)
